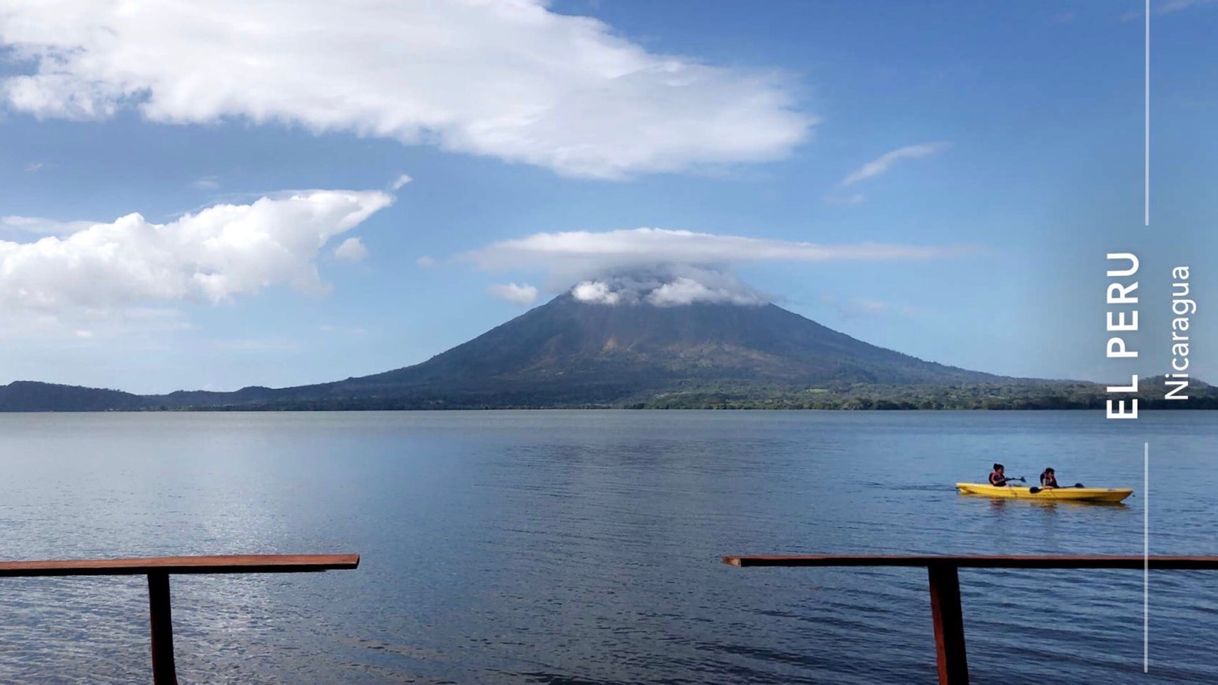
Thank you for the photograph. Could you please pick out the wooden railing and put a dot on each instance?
(158, 570)
(946, 613)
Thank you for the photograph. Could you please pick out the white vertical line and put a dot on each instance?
(1146, 446)
(1146, 558)
(1146, 131)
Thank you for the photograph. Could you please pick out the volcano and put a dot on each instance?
(568, 349)
(572, 353)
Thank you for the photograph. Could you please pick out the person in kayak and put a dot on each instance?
(1048, 478)
(997, 477)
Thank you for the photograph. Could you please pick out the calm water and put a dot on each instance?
(582, 547)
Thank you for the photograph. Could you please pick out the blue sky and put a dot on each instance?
(1004, 142)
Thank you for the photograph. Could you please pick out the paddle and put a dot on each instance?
(1060, 487)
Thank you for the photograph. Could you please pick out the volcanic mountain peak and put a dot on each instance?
(648, 346)
(577, 350)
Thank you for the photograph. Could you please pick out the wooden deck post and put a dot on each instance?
(158, 570)
(164, 672)
(944, 575)
(949, 623)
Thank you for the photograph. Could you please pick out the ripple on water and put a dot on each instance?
(583, 547)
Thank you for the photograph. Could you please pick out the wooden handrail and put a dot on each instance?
(158, 570)
(1200, 563)
(944, 581)
(138, 566)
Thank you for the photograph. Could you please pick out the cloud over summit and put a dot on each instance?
(672, 286)
(507, 79)
(667, 267)
(643, 247)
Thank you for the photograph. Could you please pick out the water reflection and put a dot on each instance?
(584, 546)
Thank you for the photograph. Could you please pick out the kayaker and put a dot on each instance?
(1048, 479)
(997, 477)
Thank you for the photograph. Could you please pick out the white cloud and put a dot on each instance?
(669, 286)
(856, 307)
(211, 256)
(667, 267)
(351, 250)
(36, 328)
(425, 262)
(851, 199)
(38, 225)
(400, 181)
(34, 167)
(1166, 7)
(885, 161)
(586, 251)
(596, 292)
(206, 183)
(1178, 5)
(511, 80)
(518, 294)
(684, 290)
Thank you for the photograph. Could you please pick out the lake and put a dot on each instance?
(583, 546)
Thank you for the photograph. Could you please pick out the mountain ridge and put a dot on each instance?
(569, 353)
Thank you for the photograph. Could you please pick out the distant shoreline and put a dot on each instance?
(668, 394)
(1174, 407)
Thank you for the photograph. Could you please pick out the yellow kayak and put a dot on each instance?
(1057, 494)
